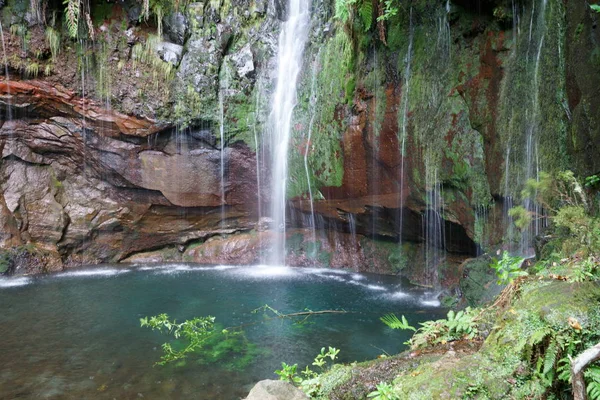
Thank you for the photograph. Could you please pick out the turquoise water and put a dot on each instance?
(77, 335)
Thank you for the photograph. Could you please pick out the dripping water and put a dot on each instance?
(7, 77)
(405, 101)
(222, 92)
(313, 110)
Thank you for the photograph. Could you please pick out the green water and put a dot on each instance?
(77, 336)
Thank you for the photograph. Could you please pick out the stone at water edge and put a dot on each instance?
(275, 390)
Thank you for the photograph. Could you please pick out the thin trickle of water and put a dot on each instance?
(292, 40)
(257, 144)
(433, 226)
(314, 97)
(405, 104)
(7, 77)
(354, 239)
(532, 166)
(222, 91)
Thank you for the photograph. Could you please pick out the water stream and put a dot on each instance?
(292, 39)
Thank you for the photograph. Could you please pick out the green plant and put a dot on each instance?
(508, 268)
(32, 69)
(460, 325)
(595, 7)
(53, 40)
(199, 336)
(72, 11)
(592, 180)
(384, 391)
(289, 372)
(393, 322)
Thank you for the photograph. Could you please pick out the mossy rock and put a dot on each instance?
(478, 284)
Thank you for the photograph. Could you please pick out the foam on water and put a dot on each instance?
(430, 302)
(395, 296)
(375, 287)
(14, 282)
(266, 272)
(93, 272)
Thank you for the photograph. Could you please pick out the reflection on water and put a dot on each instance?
(76, 335)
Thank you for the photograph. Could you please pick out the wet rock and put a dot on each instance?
(175, 27)
(244, 62)
(170, 52)
(275, 390)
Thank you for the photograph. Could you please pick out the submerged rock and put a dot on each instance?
(275, 390)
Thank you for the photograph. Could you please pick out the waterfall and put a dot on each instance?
(292, 39)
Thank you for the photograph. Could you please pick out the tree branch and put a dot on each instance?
(578, 366)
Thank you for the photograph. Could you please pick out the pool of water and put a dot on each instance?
(77, 334)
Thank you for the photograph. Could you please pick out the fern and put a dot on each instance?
(72, 16)
(550, 356)
(540, 334)
(592, 377)
(393, 322)
(366, 14)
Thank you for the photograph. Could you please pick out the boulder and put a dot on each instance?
(176, 27)
(243, 61)
(275, 390)
(170, 52)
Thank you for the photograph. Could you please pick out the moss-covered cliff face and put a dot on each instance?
(417, 129)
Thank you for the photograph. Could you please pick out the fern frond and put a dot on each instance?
(550, 356)
(393, 322)
(72, 16)
(366, 14)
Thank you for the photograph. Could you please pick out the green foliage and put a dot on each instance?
(365, 11)
(32, 69)
(595, 7)
(508, 268)
(199, 336)
(145, 54)
(393, 322)
(460, 325)
(390, 10)
(592, 181)
(193, 332)
(592, 375)
(384, 391)
(53, 40)
(72, 13)
(289, 373)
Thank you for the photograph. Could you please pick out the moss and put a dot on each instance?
(327, 81)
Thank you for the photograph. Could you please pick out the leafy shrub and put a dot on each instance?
(460, 325)
(508, 268)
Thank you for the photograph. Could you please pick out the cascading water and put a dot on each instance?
(292, 40)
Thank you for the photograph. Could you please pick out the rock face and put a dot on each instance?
(275, 390)
(403, 154)
(81, 183)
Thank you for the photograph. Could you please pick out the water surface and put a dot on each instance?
(77, 335)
